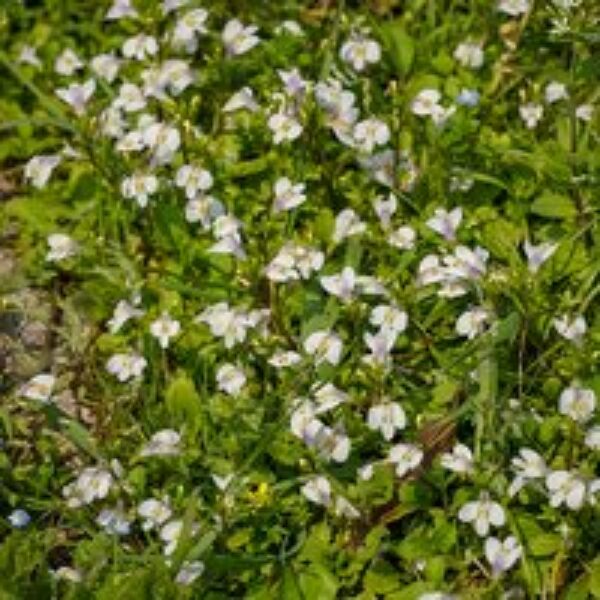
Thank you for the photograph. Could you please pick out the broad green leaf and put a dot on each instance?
(554, 206)
(183, 401)
(400, 45)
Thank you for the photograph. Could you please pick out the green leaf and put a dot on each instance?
(554, 206)
(508, 328)
(381, 578)
(545, 544)
(183, 401)
(595, 578)
(400, 45)
(579, 590)
(445, 391)
(318, 582)
(80, 436)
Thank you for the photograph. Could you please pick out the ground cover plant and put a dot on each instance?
(299, 299)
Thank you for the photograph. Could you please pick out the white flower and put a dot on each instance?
(289, 26)
(77, 95)
(437, 596)
(237, 38)
(385, 209)
(584, 112)
(403, 238)
(330, 443)
(306, 260)
(472, 322)
(228, 323)
(177, 75)
(226, 230)
(114, 521)
(222, 481)
(469, 98)
(566, 4)
(578, 403)
(126, 366)
(193, 179)
(327, 398)
(389, 318)
(284, 358)
(502, 555)
(61, 247)
(380, 346)
(124, 311)
(469, 55)
(205, 209)
(288, 195)
(112, 125)
(360, 52)
(28, 56)
(341, 285)
(538, 255)
(106, 66)
(460, 460)
(120, 9)
(387, 417)
(163, 140)
(426, 102)
(169, 6)
(154, 512)
(285, 128)
(531, 114)
(242, 99)
(140, 46)
(231, 379)
(317, 490)
(170, 534)
(39, 387)
(482, 513)
(293, 82)
(514, 8)
(566, 488)
(370, 133)
(189, 27)
(343, 508)
(189, 572)
(139, 186)
(163, 443)
(366, 472)
(405, 457)
(164, 328)
(19, 518)
(529, 465)
(555, 91)
(347, 224)
(593, 489)
(130, 98)
(303, 421)
(446, 222)
(325, 346)
(592, 438)
(440, 115)
(93, 483)
(571, 328)
(67, 63)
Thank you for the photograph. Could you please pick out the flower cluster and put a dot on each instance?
(335, 289)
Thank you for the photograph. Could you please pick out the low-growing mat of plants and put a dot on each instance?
(299, 300)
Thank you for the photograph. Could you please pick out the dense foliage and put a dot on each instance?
(299, 299)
